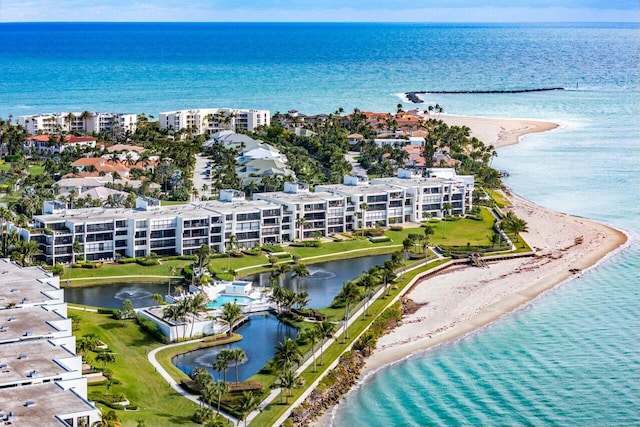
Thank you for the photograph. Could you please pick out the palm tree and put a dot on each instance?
(227, 356)
(219, 388)
(363, 208)
(231, 314)
(172, 272)
(428, 232)
(300, 270)
(237, 355)
(77, 248)
(348, 294)
(312, 335)
(387, 275)
(5, 216)
(220, 365)
(23, 252)
(288, 380)
(446, 211)
(233, 242)
(287, 354)
(105, 358)
(325, 331)
(194, 306)
(157, 299)
(368, 282)
(246, 404)
(301, 222)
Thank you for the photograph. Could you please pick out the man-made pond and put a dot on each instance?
(323, 284)
(259, 338)
(113, 295)
(325, 279)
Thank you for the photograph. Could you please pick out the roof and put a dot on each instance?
(101, 164)
(20, 359)
(125, 147)
(49, 400)
(102, 193)
(30, 322)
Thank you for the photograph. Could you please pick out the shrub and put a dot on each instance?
(237, 254)
(434, 221)
(396, 228)
(252, 252)
(147, 262)
(57, 269)
(272, 248)
(151, 328)
(126, 260)
(373, 232)
(102, 310)
(245, 386)
(380, 239)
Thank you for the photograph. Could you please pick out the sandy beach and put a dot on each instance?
(462, 299)
(499, 132)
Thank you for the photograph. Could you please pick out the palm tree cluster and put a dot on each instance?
(186, 311)
(514, 225)
(285, 299)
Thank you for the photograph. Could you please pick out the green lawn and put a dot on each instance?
(108, 271)
(498, 197)
(464, 231)
(158, 403)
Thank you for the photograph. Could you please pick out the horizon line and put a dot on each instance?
(321, 22)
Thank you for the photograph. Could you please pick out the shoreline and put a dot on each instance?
(463, 300)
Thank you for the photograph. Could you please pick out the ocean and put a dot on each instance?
(569, 358)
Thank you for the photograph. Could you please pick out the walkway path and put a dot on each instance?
(158, 367)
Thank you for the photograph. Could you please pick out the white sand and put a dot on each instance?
(499, 132)
(461, 300)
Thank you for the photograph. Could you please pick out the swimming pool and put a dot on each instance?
(223, 299)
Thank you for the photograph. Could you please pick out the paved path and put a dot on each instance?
(152, 359)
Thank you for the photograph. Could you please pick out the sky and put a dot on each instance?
(319, 11)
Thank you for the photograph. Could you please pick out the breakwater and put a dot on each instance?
(415, 98)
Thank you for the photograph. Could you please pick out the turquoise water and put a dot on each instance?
(569, 358)
(223, 299)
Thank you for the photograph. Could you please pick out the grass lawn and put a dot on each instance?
(172, 202)
(464, 231)
(159, 404)
(108, 271)
(36, 170)
(498, 197)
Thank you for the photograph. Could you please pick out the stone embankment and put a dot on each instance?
(413, 96)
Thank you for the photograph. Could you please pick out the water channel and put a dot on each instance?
(322, 284)
(259, 337)
(261, 333)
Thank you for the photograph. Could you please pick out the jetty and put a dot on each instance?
(413, 96)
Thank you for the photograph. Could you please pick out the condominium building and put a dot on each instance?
(211, 120)
(313, 213)
(41, 380)
(428, 197)
(272, 217)
(374, 205)
(77, 121)
(107, 233)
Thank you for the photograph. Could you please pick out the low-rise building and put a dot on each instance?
(56, 144)
(312, 213)
(77, 121)
(211, 120)
(429, 197)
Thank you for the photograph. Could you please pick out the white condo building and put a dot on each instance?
(211, 120)
(41, 382)
(270, 218)
(79, 121)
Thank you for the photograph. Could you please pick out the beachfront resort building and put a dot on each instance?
(270, 218)
(78, 121)
(41, 380)
(211, 120)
